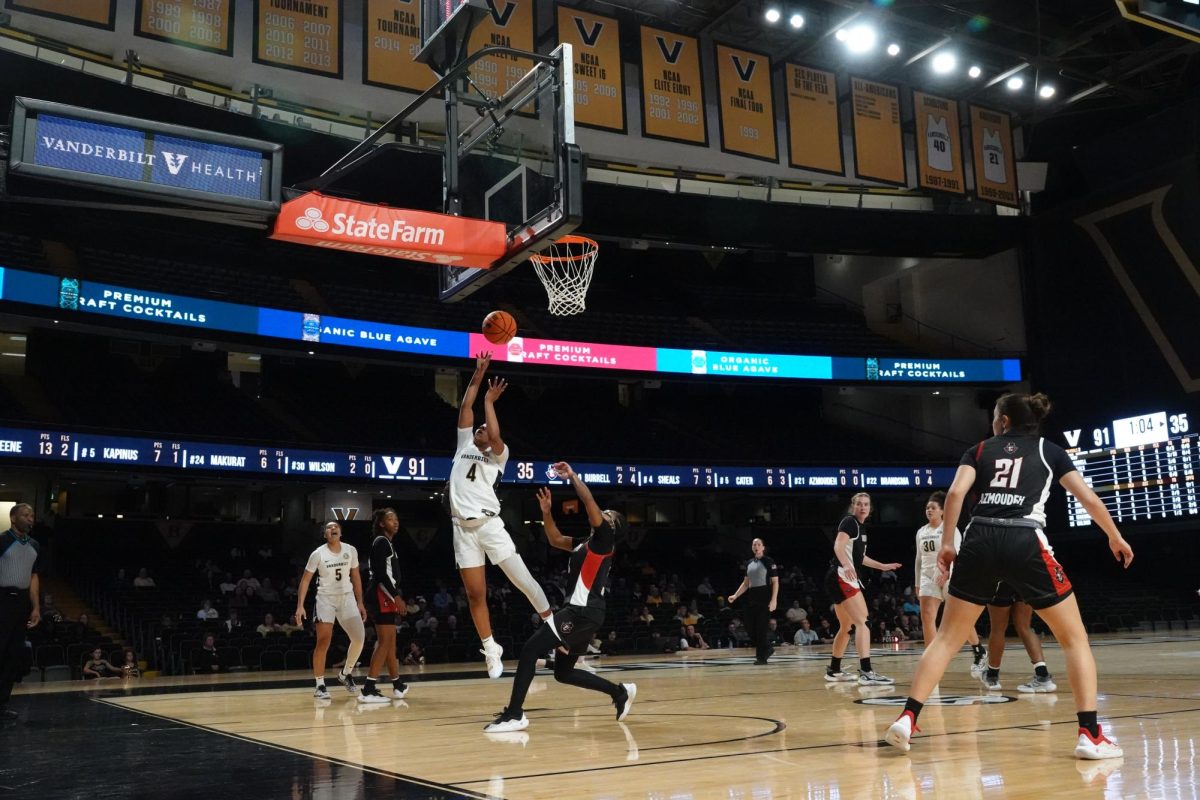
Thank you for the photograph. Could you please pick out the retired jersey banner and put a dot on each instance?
(747, 105)
(509, 23)
(200, 24)
(599, 80)
(391, 39)
(300, 35)
(97, 13)
(337, 224)
(672, 88)
(994, 157)
(939, 144)
(814, 123)
(878, 138)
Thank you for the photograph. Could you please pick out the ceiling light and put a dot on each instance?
(796, 20)
(773, 15)
(893, 49)
(974, 72)
(1015, 83)
(841, 35)
(944, 62)
(861, 39)
(1046, 92)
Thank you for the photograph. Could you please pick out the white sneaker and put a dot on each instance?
(838, 677)
(873, 678)
(507, 723)
(321, 693)
(373, 697)
(1098, 748)
(1037, 684)
(991, 684)
(625, 703)
(399, 690)
(900, 734)
(979, 665)
(492, 655)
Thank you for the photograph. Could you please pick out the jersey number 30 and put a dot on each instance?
(1008, 471)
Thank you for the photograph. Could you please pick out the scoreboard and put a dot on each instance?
(1143, 468)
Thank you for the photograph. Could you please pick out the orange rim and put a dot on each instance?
(590, 250)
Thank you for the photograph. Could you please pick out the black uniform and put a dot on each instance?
(836, 586)
(760, 571)
(383, 580)
(1004, 541)
(578, 621)
(21, 561)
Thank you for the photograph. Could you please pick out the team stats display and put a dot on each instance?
(66, 447)
(1143, 468)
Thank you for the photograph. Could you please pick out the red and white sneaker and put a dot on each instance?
(1096, 748)
(900, 734)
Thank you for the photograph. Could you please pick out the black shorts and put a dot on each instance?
(381, 609)
(577, 627)
(837, 589)
(992, 555)
(1004, 596)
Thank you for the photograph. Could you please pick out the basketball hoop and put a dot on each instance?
(565, 269)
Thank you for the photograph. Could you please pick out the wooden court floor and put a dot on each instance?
(703, 726)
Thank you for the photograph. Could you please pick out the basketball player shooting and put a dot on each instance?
(576, 623)
(479, 533)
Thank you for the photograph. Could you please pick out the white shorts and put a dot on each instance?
(474, 547)
(337, 607)
(929, 586)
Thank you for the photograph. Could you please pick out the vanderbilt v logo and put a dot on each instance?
(501, 18)
(745, 71)
(589, 37)
(344, 514)
(671, 55)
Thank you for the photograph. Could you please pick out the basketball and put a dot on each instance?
(499, 327)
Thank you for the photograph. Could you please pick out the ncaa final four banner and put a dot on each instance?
(939, 144)
(300, 35)
(814, 120)
(509, 23)
(599, 71)
(391, 39)
(747, 105)
(672, 88)
(96, 13)
(200, 24)
(878, 138)
(994, 157)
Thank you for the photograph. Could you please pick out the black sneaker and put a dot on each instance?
(624, 701)
(347, 680)
(507, 723)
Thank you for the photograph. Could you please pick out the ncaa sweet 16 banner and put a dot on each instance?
(599, 72)
(672, 88)
(509, 23)
(746, 104)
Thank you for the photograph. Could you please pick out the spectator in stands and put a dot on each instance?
(269, 625)
(209, 659)
(693, 614)
(207, 611)
(268, 593)
(442, 600)
(416, 655)
(805, 635)
(883, 632)
(654, 597)
(249, 583)
(680, 615)
(432, 625)
(826, 631)
(691, 639)
(796, 614)
(423, 623)
(167, 623)
(227, 586)
(705, 588)
(646, 618)
(661, 644)
(83, 628)
(50, 612)
(611, 646)
(239, 599)
(910, 605)
(130, 668)
(291, 590)
(773, 633)
(143, 580)
(670, 596)
(234, 624)
(290, 626)
(99, 667)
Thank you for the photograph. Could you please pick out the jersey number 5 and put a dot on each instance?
(1008, 471)
(337, 574)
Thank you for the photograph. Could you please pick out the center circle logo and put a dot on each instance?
(940, 700)
(312, 221)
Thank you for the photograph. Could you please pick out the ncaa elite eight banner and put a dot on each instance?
(747, 107)
(672, 88)
(599, 79)
(939, 144)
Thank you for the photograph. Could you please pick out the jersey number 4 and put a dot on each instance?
(1008, 471)
(471, 474)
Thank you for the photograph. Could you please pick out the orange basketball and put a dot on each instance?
(499, 327)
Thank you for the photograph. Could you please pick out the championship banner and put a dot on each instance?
(939, 144)
(509, 23)
(206, 25)
(814, 123)
(321, 221)
(391, 39)
(96, 13)
(672, 88)
(599, 73)
(746, 105)
(878, 139)
(301, 35)
(994, 157)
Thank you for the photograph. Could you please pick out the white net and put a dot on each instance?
(565, 269)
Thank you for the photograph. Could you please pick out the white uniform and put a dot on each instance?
(335, 592)
(929, 542)
(479, 532)
(994, 168)
(937, 144)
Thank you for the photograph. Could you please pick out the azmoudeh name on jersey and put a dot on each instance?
(1002, 499)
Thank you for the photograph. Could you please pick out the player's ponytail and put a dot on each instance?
(1025, 412)
(938, 497)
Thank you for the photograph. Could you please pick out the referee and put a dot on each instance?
(761, 587)
(20, 599)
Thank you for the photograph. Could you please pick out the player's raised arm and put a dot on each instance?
(595, 516)
(496, 387)
(466, 410)
(553, 534)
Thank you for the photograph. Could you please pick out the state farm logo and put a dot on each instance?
(312, 220)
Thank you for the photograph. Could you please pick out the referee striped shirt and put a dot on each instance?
(19, 559)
